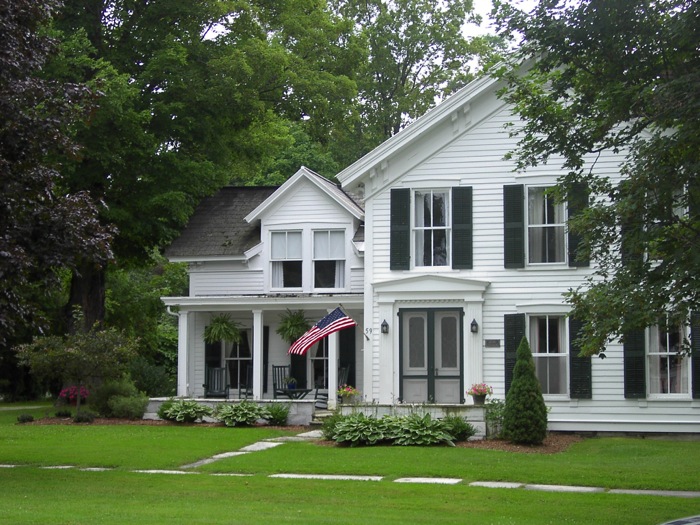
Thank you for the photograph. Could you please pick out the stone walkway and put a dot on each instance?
(316, 434)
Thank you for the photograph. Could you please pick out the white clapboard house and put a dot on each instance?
(446, 257)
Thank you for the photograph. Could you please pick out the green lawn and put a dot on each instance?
(31, 494)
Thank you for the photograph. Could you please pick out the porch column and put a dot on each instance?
(332, 368)
(183, 379)
(257, 354)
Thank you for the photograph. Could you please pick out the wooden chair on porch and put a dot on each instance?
(245, 385)
(321, 398)
(216, 382)
(279, 378)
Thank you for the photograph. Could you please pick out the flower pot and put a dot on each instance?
(479, 399)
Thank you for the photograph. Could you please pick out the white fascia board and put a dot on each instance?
(401, 140)
(252, 252)
(207, 258)
(247, 302)
(359, 248)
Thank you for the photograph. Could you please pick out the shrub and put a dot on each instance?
(109, 389)
(152, 379)
(421, 430)
(64, 413)
(133, 407)
(329, 424)
(25, 418)
(525, 415)
(186, 411)
(458, 428)
(493, 414)
(245, 413)
(358, 429)
(84, 417)
(163, 408)
(277, 414)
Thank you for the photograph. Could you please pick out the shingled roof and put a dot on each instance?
(217, 228)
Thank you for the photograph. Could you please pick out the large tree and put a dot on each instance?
(418, 53)
(622, 76)
(193, 94)
(43, 227)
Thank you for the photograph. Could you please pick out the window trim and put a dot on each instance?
(530, 227)
(651, 333)
(564, 342)
(447, 228)
(273, 260)
(343, 266)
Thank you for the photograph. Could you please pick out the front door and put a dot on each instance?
(431, 356)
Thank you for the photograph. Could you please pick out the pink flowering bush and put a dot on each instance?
(347, 390)
(480, 389)
(70, 394)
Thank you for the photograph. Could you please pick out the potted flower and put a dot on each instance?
(347, 393)
(290, 382)
(479, 391)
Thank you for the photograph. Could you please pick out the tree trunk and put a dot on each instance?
(87, 291)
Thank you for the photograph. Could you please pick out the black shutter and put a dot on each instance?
(695, 356)
(578, 200)
(400, 237)
(266, 354)
(514, 226)
(346, 352)
(462, 242)
(514, 329)
(298, 368)
(634, 356)
(579, 367)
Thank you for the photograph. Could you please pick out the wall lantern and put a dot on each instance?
(385, 327)
(475, 327)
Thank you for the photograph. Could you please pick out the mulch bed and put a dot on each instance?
(553, 443)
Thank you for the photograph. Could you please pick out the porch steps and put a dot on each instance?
(319, 416)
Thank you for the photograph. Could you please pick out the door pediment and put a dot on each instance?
(422, 287)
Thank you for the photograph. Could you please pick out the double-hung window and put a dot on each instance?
(329, 259)
(546, 228)
(286, 259)
(668, 366)
(549, 346)
(431, 228)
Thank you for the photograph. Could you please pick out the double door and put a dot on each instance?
(431, 356)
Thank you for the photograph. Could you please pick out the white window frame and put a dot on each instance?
(419, 230)
(656, 350)
(532, 227)
(340, 259)
(541, 357)
(277, 260)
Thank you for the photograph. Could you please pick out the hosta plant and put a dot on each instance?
(245, 413)
(186, 411)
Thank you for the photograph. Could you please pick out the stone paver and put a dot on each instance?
(332, 477)
(496, 484)
(562, 488)
(674, 493)
(437, 481)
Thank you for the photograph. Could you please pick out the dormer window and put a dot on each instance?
(329, 259)
(286, 258)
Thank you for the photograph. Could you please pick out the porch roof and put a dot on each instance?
(263, 302)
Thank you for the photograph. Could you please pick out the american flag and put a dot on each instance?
(333, 322)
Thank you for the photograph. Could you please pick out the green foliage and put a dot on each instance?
(329, 424)
(164, 408)
(277, 414)
(458, 428)
(84, 417)
(25, 418)
(620, 77)
(185, 411)
(292, 325)
(152, 379)
(358, 429)
(525, 415)
(244, 413)
(128, 407)
(63, 413)
(494, 413)
(222, 328)
(417, 430)
(102, 395)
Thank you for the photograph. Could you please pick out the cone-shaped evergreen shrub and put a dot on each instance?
(525, 417)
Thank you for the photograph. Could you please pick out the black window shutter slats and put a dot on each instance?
(695, 355)
(634, 357)
(400, 236)
(514, 226)
(514, 329)
(462, 228)
(578, 200)
(579, 367)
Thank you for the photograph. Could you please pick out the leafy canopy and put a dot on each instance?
(622, 76)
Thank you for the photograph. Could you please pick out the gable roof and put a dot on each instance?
(304, 173)
(217, 229)
(446, 120)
